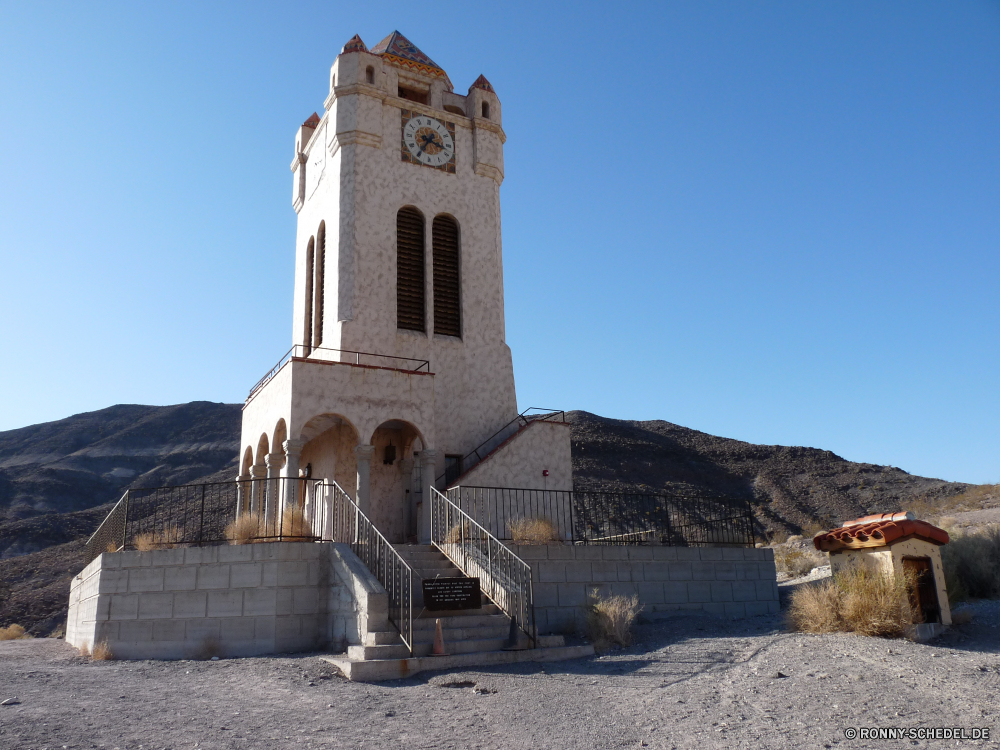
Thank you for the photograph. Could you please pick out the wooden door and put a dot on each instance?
(923, 590)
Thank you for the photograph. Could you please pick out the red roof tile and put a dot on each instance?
(878, 531)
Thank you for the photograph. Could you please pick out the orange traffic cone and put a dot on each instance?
(438, 649)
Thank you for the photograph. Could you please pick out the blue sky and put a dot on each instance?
(777, 222)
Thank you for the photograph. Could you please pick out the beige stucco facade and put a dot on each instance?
(336, 411)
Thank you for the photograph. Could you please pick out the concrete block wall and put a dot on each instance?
(236, 600)
(727, 581)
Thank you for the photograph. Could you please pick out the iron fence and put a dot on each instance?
(275, 509)
(351, 526)
(612, 518)
(505, 577)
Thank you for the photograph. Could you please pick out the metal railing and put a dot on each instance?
(276, 509)
(343, 356)
(505, 578)
(494, 441)
(351, 526)
(612, 518)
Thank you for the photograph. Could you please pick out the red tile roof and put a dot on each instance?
(881, 530)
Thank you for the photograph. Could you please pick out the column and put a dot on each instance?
(428, 462)
(409, 509)
(364, 456)
(257, 474)
(290, 474)
(243, 493)
(272, 521)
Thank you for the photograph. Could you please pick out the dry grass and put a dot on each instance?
(533, 531)
(85, 650)
(168, 538)
(112, 547)
(102, 652)
(296, 526)
(858, 600)
(972, 565)
(245, 529)
(796, 561)
(454, 534)
(610, 620)
(12, 633)
(936, 510)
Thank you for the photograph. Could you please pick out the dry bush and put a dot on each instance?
(168, 538)
(533, 531)
(610, 620)
(454, 534)
(296, 526)
(972, 565)
(102, 652)
(12, 633)
(112, 547)
(779, 536)
(246, 529)
(797, 562)
(858, 600)
(85, 650)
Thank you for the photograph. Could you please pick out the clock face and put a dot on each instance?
(428, 141)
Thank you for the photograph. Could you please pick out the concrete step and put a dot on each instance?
(461, 647)
(368, 653)
(457, 635)
(421, 624)
(488, 608)
(394, 669)
(382, 638)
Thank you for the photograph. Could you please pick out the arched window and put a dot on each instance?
(447, 282)
(318, 294)
(486, 110)
(307, 336)
(370, 74)
(410, 269)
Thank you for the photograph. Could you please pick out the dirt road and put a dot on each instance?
(687, 683)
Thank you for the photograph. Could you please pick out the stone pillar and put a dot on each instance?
(428, 462)
(364, 456)
(243, 493)
(409, 509)
(273, 462)
(257, 474)
(290, 473)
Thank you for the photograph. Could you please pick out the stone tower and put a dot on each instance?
(398, 322)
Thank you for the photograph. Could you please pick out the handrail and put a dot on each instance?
(481, 451)
(298, 350)
(351, 526)
(504, 577)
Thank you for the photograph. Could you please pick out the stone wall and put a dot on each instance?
(227, 600)
(729, 581)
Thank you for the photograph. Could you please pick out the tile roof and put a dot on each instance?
(880, 530)
(312, 122)
(397, 49)
(354, 44)
(482, 83)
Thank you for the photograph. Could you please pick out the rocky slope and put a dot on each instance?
(59, 479)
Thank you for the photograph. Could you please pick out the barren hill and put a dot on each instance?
(58, 480)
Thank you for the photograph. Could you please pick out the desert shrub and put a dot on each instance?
(779, 536)
(972, 565)
(85, 650)
(168, 538)
(858, 600)
(245, 529)
(533, 531)
(610, 619)
(296, 526)
(454, 534)
(102, 652)
(12, 632)
(111, 547)
(797, 562)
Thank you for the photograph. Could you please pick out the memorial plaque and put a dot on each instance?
(451, 593)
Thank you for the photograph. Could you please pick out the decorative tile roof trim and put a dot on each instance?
(354, 44)
(402, 62)
(881, 533)
(482, 83)
(312, 122)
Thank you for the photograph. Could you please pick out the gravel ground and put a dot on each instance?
(690, 682)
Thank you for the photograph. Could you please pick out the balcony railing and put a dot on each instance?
(342, 356)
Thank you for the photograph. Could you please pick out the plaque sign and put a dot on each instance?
(451, 593)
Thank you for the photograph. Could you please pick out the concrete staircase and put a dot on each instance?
(475, 637)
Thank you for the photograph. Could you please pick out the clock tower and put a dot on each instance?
(399, 367)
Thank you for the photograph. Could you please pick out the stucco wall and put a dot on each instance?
(521, 461)
(226, 600)
(730, 581)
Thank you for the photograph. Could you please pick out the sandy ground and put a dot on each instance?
(687, 683)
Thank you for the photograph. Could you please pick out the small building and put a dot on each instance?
(896, 543)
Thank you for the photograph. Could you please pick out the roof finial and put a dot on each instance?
(354, 44)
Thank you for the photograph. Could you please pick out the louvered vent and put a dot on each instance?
(447, 299)
(410, 269)
(307, 337)
(318, 296)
